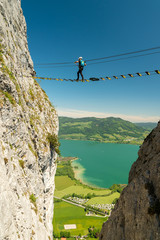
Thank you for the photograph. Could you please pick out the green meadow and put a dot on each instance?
(65, 213)
(65, 186)
(102, 200)
(63, 182)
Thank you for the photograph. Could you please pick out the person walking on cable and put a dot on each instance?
(81, 65)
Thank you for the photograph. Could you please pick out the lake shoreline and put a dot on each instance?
(78, 174)
(100, 165)
(78, 170)
(96, 141)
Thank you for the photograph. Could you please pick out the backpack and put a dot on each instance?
(81, 63)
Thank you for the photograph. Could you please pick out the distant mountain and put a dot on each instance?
(148, 125)
(110, 129)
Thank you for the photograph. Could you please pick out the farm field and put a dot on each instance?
(71, 187)
(63, 182)
(104, 200)
(68, 213)
(65, 213)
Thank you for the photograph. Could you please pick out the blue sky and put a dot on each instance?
(60, 31)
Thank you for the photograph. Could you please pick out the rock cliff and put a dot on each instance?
(28, 136)
(137, 214)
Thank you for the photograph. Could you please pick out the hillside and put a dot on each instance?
(147, 125)
(115, 130)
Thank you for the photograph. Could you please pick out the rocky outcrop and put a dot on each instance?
(28, 136)
(137, 214)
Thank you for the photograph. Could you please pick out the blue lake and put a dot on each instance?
(102, 164)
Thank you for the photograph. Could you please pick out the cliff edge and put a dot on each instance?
(28, 136)
(137, 213)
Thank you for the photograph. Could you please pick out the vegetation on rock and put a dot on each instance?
(117, 187)
(21, 163)
(9, 97)
(54, 143)
(32, 198)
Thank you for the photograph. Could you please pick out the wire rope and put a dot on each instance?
(107, 57)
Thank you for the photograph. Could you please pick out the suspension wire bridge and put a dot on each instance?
(129, 75)
(107, 59)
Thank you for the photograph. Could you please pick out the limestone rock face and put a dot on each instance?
(28, 136)
(137, 214)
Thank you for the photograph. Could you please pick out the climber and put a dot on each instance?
(81, 65)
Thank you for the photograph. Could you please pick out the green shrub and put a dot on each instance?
(65, 234)
(116, 188)
(54, 143)
(56, 235)
(32, 198)
(93, 232)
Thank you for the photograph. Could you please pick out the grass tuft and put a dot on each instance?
(21, 164)
(9, 97)
(32, 198)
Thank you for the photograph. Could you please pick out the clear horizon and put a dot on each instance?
(72, 113)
